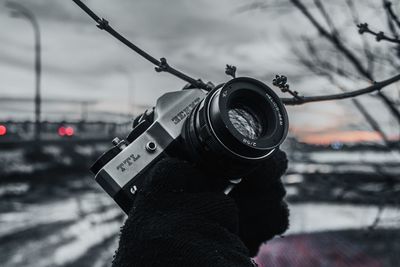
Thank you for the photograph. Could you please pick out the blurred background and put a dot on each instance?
(67, 89)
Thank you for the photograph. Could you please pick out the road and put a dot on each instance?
(68, 225)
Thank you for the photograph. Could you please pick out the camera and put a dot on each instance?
(226, 131)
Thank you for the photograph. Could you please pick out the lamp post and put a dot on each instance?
(130, 86)
(19, 11)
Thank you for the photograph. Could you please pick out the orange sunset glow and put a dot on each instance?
(344, 137)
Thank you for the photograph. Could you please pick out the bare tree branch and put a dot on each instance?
(262, 5)
(371, 121)
(334, 39)
(307, 99)
(326, 16)
(379, 36)
(366, 47)
(330, 75)
(390, 20)
(388, 6)
(351, 57)
(314, 61)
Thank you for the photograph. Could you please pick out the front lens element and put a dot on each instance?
(240, 122)
(245, 122)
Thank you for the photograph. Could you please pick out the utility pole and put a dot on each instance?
(85, 110)
(19, 11)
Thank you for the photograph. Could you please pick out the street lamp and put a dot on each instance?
(19, 11)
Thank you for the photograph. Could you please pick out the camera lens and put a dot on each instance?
(245, 121)
(242, 121)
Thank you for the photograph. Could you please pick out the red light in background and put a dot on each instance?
(69, 131)
(61, 131)
(66, 131)
(3, 130)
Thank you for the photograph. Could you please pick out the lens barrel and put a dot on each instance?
(242, 121)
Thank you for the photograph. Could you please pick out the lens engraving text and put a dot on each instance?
(185, 112)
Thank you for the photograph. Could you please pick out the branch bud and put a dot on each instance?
(362, 27)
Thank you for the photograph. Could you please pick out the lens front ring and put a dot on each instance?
(210, 134)
(215, 135)
(258, 97)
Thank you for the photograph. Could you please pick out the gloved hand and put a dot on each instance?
(259, 198)
(176, 221)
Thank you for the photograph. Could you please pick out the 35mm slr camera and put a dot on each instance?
(227, 131)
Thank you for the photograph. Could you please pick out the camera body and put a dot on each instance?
(228, 130)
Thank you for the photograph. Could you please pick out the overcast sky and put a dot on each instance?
(198, 37)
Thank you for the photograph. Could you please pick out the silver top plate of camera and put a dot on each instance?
(171, 111)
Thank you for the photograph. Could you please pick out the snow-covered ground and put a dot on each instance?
(66, 231)
(318, 217)
(60, 232)
(344, 161)
(81, 226)
(372, 157)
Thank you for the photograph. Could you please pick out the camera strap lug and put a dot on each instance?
(121, 144)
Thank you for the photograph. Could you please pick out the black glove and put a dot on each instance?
(176, 221)
(259, 197)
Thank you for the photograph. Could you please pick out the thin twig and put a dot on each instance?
(161, 65)
(390, 20)
(370, 57)
(326, 16)
(379, 36)
(389, 9)
(307, 99)
(280, 81)
(377, 219)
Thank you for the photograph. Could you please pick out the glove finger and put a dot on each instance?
(263, 177)
(259, 197)
(274, 167)
(260, 225)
